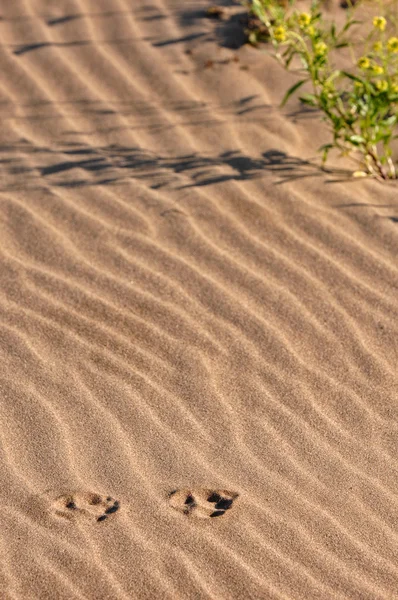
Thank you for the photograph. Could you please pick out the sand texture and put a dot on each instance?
(194, 319)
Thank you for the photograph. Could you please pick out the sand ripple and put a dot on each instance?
(188, 305)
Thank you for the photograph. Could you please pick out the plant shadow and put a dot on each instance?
(75, 165)
(226, 28)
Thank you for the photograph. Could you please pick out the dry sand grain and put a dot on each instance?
(187, 305)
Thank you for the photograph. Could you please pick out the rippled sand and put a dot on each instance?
(194, 319)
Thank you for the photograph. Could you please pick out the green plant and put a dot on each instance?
(360, 103)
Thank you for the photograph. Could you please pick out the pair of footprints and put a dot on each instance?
(199, 503)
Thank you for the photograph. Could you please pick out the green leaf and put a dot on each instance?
(253, 38)
(309, 99)
(333, 76)
(304, 61)
(390, 121)
(382, 137)
(325, 151)
(350, 24)
(291, 91)
(338, 123)
(353, 77)
(357, 140)
(257, 8)
(289, 60)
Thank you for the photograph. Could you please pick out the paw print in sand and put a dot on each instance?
(83, 505)
(202, 502)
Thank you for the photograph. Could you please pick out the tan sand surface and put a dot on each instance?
(191, 312)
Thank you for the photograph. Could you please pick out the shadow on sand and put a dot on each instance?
(77, 165)
(228, 31)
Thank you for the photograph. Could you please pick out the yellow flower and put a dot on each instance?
(311, 31)
(320, 49)
(382, 86)
(280, 34)
(379, 23)
(304, 19)
(377, 46)
(377, 69)
(394, 88)
(364, 62)
(392, 44)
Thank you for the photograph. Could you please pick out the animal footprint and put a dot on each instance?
(83, 505)
(202, 502)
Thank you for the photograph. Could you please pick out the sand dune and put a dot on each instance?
(194, 319)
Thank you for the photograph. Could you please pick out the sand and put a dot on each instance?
(194, 319)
